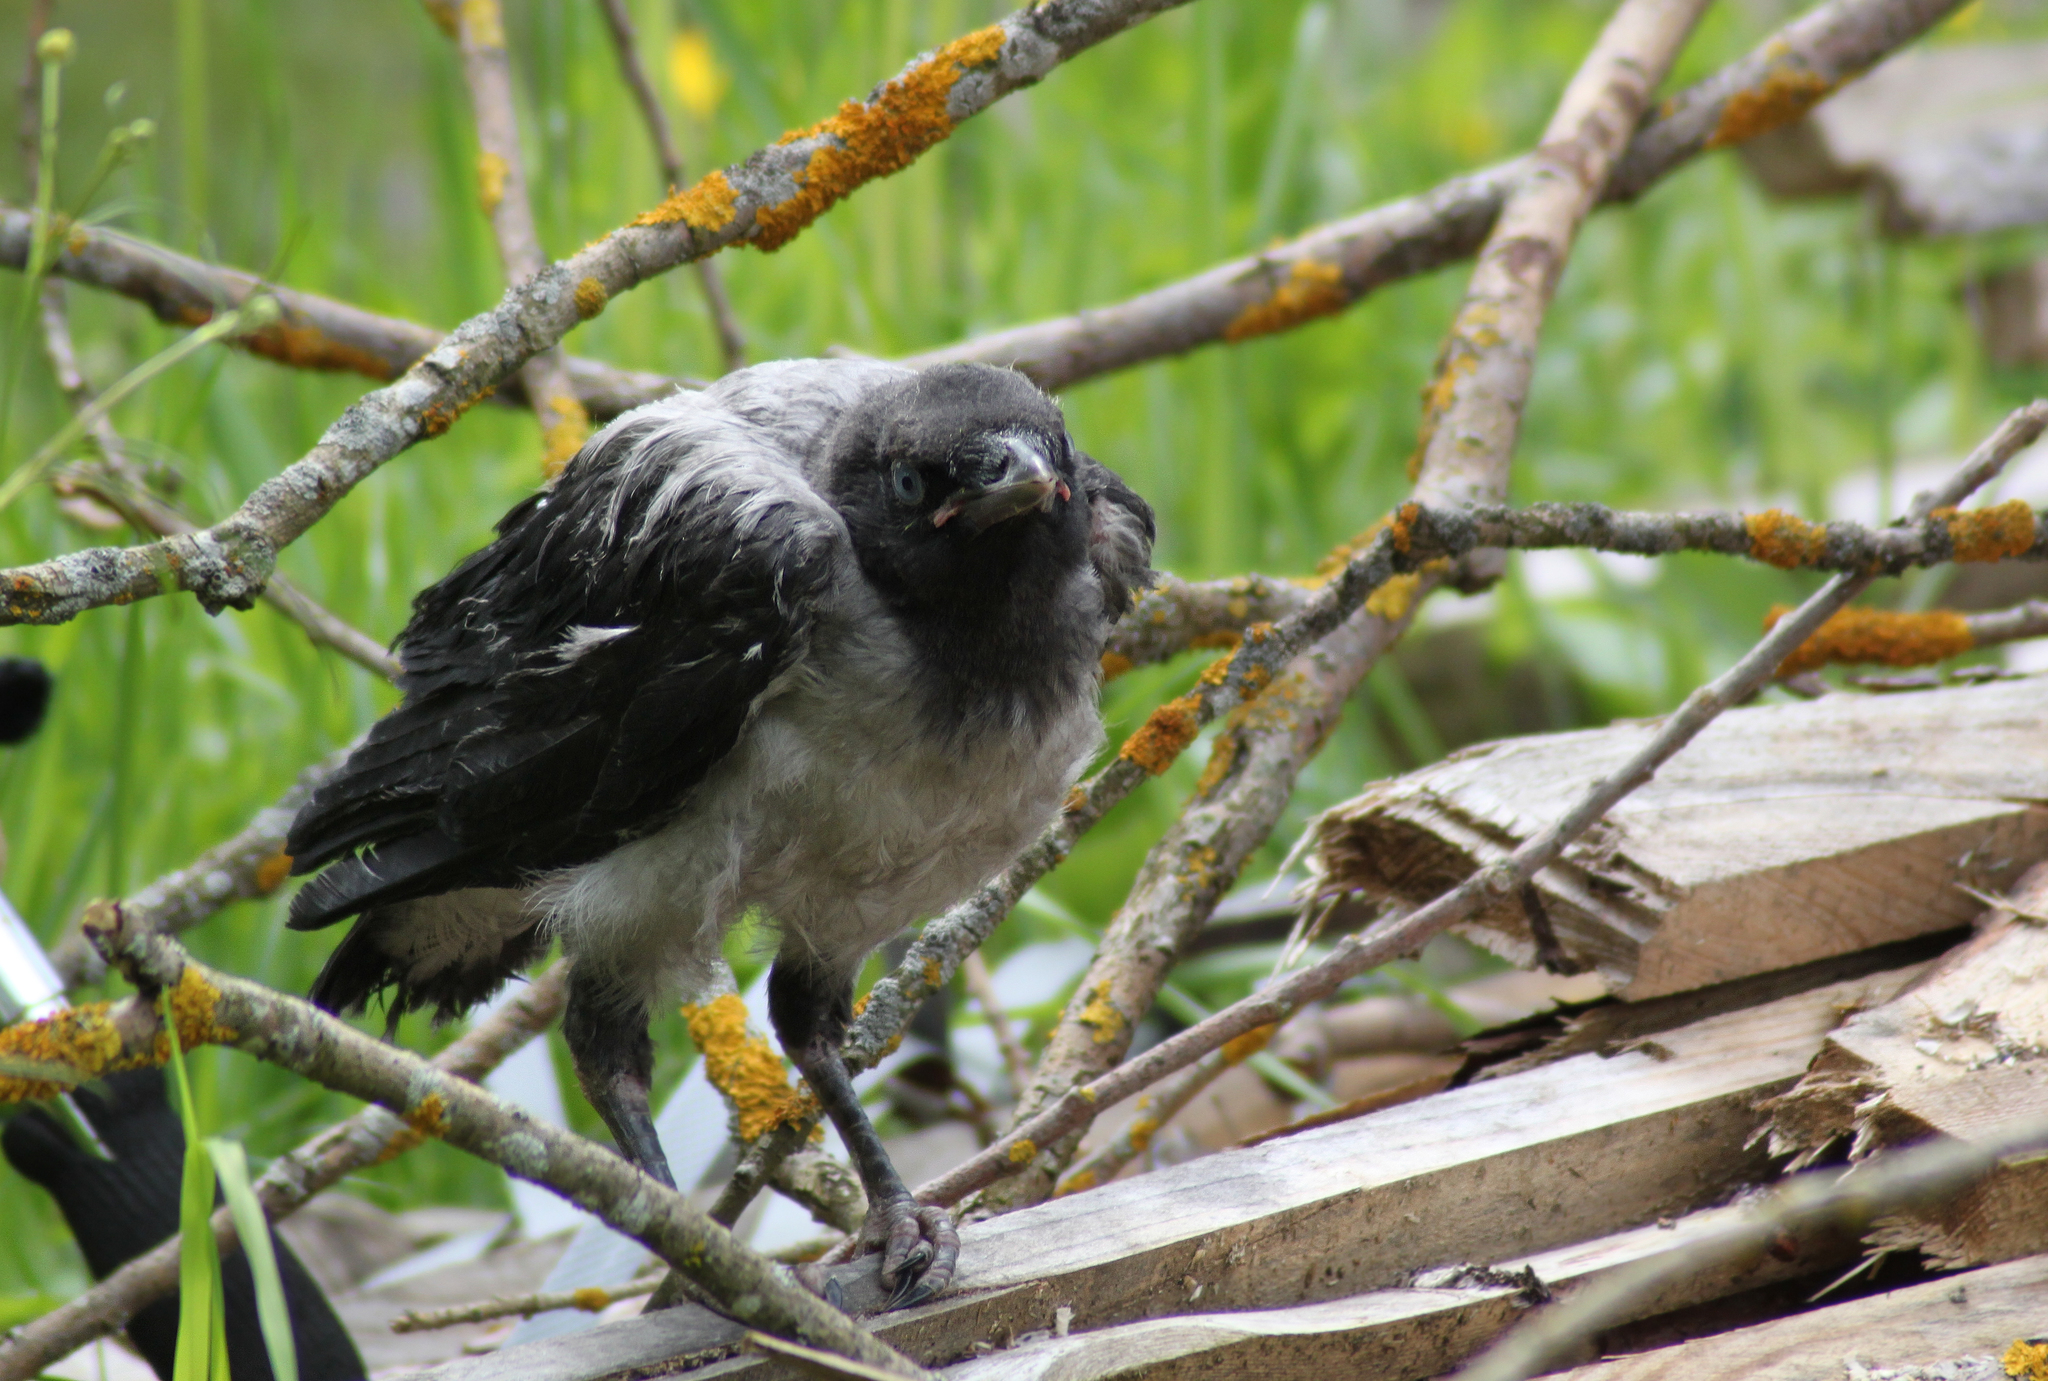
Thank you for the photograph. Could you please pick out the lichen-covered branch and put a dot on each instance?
(765, 201)
(1909, 638)
(1155, 1110)
(251, 864)
(216, 1008)
(1331, 267)
(1472, 408)
(591, 1299)
(732, 341)
(478, 28)
(1058, 1116)
(311, 331)
(371, 1137)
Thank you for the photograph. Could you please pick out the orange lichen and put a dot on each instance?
(1216, 673)
(709, 204)
(1311, 289)
(1163, 737)
(1393, 600)
(1101, 1016)
(1222, 758)
(1242, 1048)
(860, 1004)
(1878, 635)
(564, 436)
(1022, 1152)
(195, 1006)
(2025, 1360)
(1340, 555)
(1077, 799)
(1471, 335)
(491, 172)
(1780, 539)
(403, 1140)
(1228, 638)
(437, 418)
(869, 139)
(1785, 94)
(591, 1299)
(1992, 534)
(272, 871)
(308, 347)
(1115, 664)
(428, 1117)
(1141, 1132)
(1402, 525)
(40, 1059)
(743, 1067)
(933, 976)
(591, 298)
(1075, 1184)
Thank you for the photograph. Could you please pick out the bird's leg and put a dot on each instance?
(606, 1029)
(811, 1009)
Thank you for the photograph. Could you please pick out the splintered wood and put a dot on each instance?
(1783, 834)
(1962, 1049)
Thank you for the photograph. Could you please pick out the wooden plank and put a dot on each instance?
(1571, 1151)
(1961, 1050)
(1382, 1335)
(1950, 140)
(1783, 834)
(1974, 1315)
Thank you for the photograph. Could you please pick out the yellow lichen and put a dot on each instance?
(932, 974)
(1163, 737)
(590, 1299)
(428, 1117)
(2027, 1361)
(1115, 664)
(1472, 334)
(491, 172)
(1074, 1184)
(564, 436)
(709, 204)
(1780, 539)
(1222, 757)
(1141, 1133)
(1994, 533)
(1077, 799)
(1022, 1152)
(1222, 637)
(590, 298)
(874, 138)
(1878, 635)
(437, 418)
(484, 23)
(272, 871)
(743, 1067)
(403, 1140)
(1239, 1049)
(1100, 1015)
(308, 347)
(1393, 600)
(76, 1044)
(1311, 289)
(1786, 93)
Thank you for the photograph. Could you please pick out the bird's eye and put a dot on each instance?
(908, 483)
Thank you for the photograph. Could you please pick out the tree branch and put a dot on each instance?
(732, 341)
(1022, 1147)
(311, 331)
(1327, 269)
(765, 201)
(370, 1137)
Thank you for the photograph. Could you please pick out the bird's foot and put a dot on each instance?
(919, 1246)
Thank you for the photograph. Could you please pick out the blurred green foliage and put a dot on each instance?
(1706, 345)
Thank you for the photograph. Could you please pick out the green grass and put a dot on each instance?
(1706, 343)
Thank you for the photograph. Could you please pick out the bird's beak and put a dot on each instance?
(1028, 481)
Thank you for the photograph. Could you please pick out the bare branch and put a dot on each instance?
(311, 332)
(371, 1136)
(591, 1299)
(765, 201)
(1331, 267)
(479, 31)
(1023, 1146)
(732, 341)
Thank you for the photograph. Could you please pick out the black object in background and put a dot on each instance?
(24, 695)
(122, 1207)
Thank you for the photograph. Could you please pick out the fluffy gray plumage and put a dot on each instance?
(822, 639)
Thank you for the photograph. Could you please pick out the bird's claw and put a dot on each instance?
(919, 1247)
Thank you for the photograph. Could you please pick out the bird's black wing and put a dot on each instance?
(567, 686)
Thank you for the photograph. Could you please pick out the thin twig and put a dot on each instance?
(370, 1137)
(215, 1008)
(732, 341)
(479, 31)
(1930, 1173)
(982, 988)
(591, 1299)
(759, 201)
(1331, 267)
(1154, 1110)
(1487, 886)
(311, 332)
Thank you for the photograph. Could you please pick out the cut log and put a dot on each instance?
(1783, 834)
(1566, 1153)
(1967, 1321)
(1949, 141)
(1962, 1049)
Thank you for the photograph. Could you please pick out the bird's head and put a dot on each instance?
(956, 482)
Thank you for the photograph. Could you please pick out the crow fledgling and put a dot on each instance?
(822, 639)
